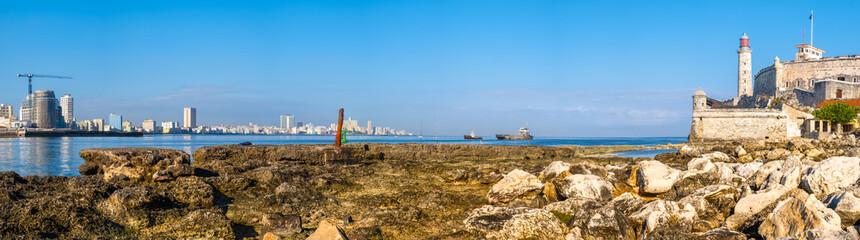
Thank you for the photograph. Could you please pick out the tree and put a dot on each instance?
(839, 112)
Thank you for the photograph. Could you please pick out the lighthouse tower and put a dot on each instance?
(745, 68)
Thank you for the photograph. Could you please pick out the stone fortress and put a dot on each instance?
(775, 104)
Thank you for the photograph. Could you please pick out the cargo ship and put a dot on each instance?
(472, 136)
(524, 135)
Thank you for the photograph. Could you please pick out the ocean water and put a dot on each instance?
(59, 156)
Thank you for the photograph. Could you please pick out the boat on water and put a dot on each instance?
(472, 136)
(524, 135)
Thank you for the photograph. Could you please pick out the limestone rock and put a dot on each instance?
(747, 170)
(717, 157)
(654, 177)
(690, 183)
(514, 223)
(713, 203)
(199, 224)
(131, 206)
(740, 151)
(193, 191)
(607, 221)
(587, 168)
(327, 231)
(555, 169)
(701, 164)
(182, 169)
(723, 234)
(832, 175)
(585, 186)
(752, 204)
(793, 217)
(814, 152)
(689, 151)
(846, 205)
(575, 234)
(569, 206)
(515, 185)
(777, 154)
(661, 213)
(136, 163)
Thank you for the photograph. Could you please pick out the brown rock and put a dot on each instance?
(327, 231)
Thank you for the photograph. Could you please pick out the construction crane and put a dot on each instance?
(30, 80)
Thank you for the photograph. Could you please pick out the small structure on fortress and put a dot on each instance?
(775, 104)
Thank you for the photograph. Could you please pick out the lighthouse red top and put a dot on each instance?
(745, 41)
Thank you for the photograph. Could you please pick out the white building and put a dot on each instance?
(189, 118)
(288, 122)
(67, 110)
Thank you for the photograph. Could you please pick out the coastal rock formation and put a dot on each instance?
(445, 191)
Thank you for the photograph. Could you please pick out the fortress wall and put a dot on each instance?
(805, 98)
(741, 124)
(827, 89)
(765, 81)
(798, 73)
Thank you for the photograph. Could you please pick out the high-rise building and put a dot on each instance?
(98, 124)
(189, 117)
(149, 125)
(41, 109)
(288, 122)
(369, 129)
(115, 121)
(67, 111)
(169, 127)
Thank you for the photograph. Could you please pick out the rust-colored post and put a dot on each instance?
(339, 128)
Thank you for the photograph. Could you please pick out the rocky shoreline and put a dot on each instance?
(764, 190)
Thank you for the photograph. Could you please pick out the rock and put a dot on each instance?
(199, 224)
(799, 144)
(137, 163)
(587, 168)
(517, 184)
(569, 206)
(723, 234)
(327, 231)
(777, 154)
(271, 236)
(575, 234)
(690, 183)
(846, 205)
(701, 164)
(661, 213)
(814, 152)
(549, 192)
(832, 175)
(162, 176)
(793, 217)
(608, 223)
(282, 225)
(182, 169)
(555, 169)
(758, 180)
(131, 207)
(514, 223)
(717, 157)
(193, 191)
(653, 177)
(740, 151)
(748, 206)
(747, 170)
(713, 203)
(689, 151)
(585, 186)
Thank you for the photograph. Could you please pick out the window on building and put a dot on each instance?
(841, 78)
(838, 93)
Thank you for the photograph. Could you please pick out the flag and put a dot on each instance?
(810, 16)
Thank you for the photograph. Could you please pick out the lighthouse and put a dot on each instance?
(745, 68)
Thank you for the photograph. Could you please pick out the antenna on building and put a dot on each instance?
(803, 32)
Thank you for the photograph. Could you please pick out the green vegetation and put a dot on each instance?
(561, 216)
(837, 112)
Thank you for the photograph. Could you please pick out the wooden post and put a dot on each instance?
(339, 128)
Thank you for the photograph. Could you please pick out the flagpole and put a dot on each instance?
(811, 26)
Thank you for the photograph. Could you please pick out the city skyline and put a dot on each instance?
(562, 68)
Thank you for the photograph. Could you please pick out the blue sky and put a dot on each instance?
(565, 68)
